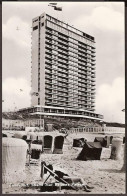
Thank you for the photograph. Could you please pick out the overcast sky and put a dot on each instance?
(103, 20)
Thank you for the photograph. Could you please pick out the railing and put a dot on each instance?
(103, 130)
(114, 129)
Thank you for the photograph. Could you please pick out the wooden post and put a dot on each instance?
(124, 164)
(42, 169)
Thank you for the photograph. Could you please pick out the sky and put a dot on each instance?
(103, 20)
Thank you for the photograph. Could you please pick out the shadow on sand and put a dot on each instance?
(112, 170)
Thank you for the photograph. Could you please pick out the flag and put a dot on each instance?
(58, 8)
(35, 94)
(52, 3)
(123, 110)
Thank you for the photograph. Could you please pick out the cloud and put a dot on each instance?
(110, 100)
(12, 95)
(103, 18)
(22, 36)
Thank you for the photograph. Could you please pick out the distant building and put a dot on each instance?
(63, 70)
(21, 124)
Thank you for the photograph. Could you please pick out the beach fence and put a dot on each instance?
(103, 130)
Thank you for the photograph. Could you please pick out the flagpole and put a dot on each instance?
(40, 114)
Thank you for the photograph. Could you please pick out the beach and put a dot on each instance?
(104, 175)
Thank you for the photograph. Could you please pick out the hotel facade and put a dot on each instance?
(63, 71)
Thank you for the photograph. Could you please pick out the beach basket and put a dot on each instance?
(20, 135)
(32, 135)
(36, 146)
(116, 149)
(35, 153)
(40, 135)
(13, 160)
(4, 135)
(123, 140)
(47, 148)
(124, 160)
(58, 145)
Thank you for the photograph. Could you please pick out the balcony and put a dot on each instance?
(62, 66)
(48, 42)
(93, 88)
(82, 67)
(82, 85)
(62, 56)
(82, 55)
(93, 75)
(63, 36)
(49, 87)
(93, 84)
(48, 93)
(93, 69)
(48, 36)
(93, 55)
(63, 52)
(49, 57)
(48, 67)
(48, 98)
(93, 96)
(62, 42)
(93, 49)
(63, 71)
(93, 63)
(48, 72)
(48, 82)
(93, 80)
(63, 47)
(48, 51)
(48, 31)
(81, 60)
(62, 61)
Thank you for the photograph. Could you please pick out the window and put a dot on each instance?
(34, 28)
(38, 101)
(42, 24)
(35, 20)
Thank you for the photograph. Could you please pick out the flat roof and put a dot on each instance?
(72, 27)
(60, 108)
(69, 115)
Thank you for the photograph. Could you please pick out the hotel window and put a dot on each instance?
(49, 17)
(38, 101)
(34, 28)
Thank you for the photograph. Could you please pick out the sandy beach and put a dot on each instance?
(104, 175)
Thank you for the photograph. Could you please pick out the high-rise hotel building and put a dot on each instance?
(63, 68)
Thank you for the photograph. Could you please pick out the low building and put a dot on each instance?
(21, 124)
(61, 112)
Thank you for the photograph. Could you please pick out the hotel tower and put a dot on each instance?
(63, 72)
